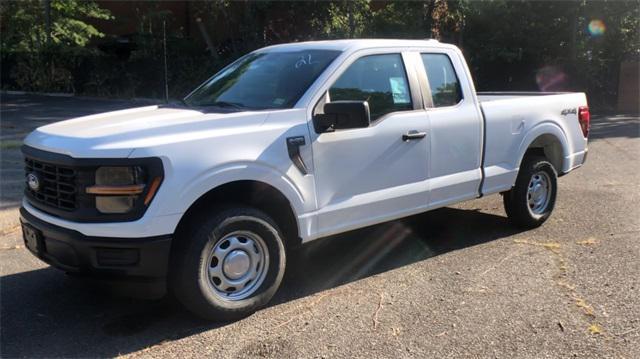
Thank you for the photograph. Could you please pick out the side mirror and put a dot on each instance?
(342, 115)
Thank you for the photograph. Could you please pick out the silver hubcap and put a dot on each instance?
(539, 192)
(237, 265)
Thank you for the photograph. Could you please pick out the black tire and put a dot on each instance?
(516, 201)
(189, 280)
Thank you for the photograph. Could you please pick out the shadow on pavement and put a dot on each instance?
(615, 126)
(45, 313)
(48, 314)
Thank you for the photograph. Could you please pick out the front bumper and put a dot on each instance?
(72, 251)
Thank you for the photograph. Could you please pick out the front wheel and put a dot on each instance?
(229, 265)
(530, 202)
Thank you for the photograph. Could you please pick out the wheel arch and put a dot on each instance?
(547, 140)
(251, 193)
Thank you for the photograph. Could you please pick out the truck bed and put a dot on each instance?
(505, 95)
(514, 119)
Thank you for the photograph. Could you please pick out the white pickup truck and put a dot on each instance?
(287, 144)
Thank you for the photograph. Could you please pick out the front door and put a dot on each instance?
(368, 175)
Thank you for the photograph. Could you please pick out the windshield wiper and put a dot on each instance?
(175, 104)
(228, 104)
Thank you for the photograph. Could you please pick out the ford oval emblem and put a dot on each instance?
(33, 182)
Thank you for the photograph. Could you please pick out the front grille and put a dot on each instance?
(57, 184)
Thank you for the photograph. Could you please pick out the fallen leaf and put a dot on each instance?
(548, 245)
(586, 308)
(595, 329)
(588, 242)
(551, 245)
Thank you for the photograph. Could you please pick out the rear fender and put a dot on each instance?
(541, 129)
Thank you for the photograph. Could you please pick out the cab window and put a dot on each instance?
(380, 80)
(445, 87)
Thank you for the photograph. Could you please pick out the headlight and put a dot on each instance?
(120, 189)
(119, 176)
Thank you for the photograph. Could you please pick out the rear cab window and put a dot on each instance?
(443, 81)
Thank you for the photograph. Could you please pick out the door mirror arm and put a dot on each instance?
(324, 122)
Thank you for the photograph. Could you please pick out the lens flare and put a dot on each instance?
(552, 78)
(597, 27)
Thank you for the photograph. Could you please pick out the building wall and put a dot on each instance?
(629, 87)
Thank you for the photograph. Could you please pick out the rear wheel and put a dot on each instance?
(229, 265)
(531, 200)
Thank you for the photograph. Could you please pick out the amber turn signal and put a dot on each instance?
(152, 190)
(116, 190)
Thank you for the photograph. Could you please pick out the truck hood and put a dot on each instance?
(116, 134)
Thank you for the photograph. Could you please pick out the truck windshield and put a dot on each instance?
(263, 80)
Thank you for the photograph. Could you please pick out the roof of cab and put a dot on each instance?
(354, 44)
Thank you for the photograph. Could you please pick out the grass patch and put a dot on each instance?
(10, 144)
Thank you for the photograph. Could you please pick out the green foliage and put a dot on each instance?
(44, 53)
(37, 71)
(67, 17)
(25, 24)
(347, 19)
(401, 20)
(509, 43)
(533, 35)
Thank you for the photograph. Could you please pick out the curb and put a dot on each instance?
(80, 97)
(52, 94)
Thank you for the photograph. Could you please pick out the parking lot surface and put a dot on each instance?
(455, 282)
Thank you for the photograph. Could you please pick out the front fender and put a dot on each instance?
(241, 171)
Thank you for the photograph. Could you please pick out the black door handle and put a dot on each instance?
(413, 135)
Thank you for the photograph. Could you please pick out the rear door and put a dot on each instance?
(455, 137)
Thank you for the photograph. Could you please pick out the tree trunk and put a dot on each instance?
(47, 19)
(573, 24)
(352, 20)
(428, 17)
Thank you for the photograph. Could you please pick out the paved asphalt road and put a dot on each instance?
(456, 282)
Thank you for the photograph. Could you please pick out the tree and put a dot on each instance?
(25, 26)
(41, 41)
(537, 37)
